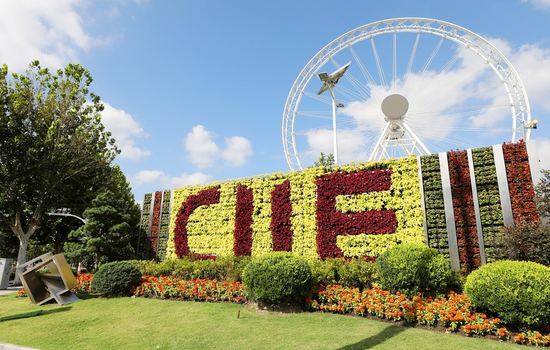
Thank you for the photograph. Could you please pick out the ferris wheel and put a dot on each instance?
(399, 87)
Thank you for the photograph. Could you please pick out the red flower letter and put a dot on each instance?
(204, 197)
(281, 210)
(332, 223)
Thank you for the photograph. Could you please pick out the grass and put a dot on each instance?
(139, 323)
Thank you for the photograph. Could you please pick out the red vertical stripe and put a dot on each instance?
(281, 211)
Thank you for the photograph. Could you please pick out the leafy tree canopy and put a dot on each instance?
(53, 147)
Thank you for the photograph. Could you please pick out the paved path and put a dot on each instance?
(6, 346)
(11, 289)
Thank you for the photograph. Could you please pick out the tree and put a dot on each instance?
(53, 147)
(324, 160)
(112, 227)
(530, 241)
(542, 195)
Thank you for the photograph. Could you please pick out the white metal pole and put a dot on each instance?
(334, 130)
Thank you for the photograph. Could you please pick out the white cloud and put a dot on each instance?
(543, 148)
(348, 141)
(51, 32)
(166, 181)
(532, 63)
(186, 179)
(204, 152)
(237, 150)
(124, 128)
(145, 176)
(539, 4)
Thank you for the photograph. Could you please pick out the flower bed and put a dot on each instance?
(84, 285)
(453, 312)
(197, 290)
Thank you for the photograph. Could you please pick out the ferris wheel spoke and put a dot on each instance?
(394, 70)
(446, 111)
(411, 60)
(321, 98)
(368, 77)
(378, 64)
(468, 94)
(443, 88)
(315, 114)
(349, 95)
(452, 61)
(428, 63)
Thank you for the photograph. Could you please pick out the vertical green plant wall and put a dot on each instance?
(436, 226)
(489, 199)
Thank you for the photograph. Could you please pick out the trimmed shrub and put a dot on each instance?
(228, 268)
(358, 273)
(348, 273)
(414, 268)
(518, 292)
(278, 278)
(116, 278)
(233, 267)
(326, 271)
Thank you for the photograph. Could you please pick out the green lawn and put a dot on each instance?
(138, 323)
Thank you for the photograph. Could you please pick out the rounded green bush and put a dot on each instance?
(116, 278)
(414, 268)
(277, 278)
(518, 292)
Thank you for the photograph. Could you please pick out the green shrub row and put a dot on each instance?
(348, 273)
(228, 268)
(356, 273)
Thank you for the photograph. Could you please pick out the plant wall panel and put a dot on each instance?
(354, 211)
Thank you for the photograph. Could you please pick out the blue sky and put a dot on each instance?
(195, 90)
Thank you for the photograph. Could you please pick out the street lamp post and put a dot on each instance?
(66, 212)
(329, 82)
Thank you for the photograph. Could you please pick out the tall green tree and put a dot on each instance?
(53, 147)
(112, 228)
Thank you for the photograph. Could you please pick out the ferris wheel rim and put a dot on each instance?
(515, 90)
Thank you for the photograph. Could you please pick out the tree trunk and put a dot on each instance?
(97, 260)
(21, 258)
(24, 238)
